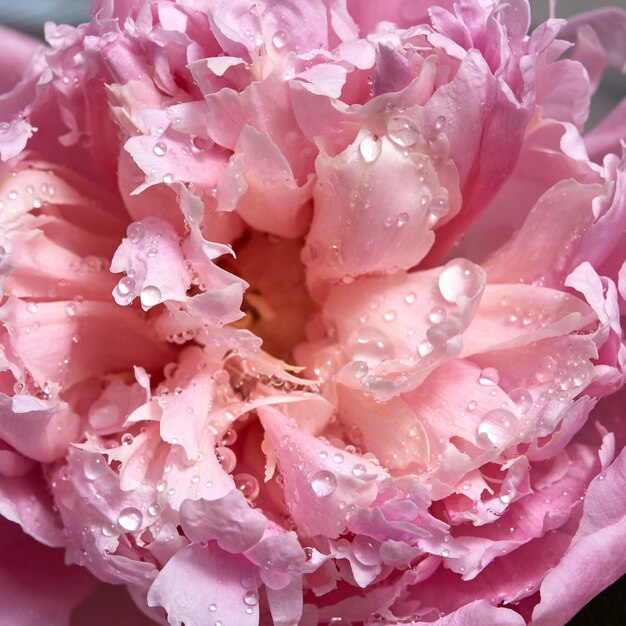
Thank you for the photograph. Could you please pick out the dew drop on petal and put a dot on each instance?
(159, 148)
(127, 439)
(280, 39)
(497, 427)
(410, 298)
(248, 485)
(150, 296)
(126, 285)
(359, 470)
(130, 518)
(360, 369)
(154, 509)
(459, 278)
(489, 376)
(323, 483)
(135, 232)
(168, 179)
(371, 346)
(251, 598)
(402, 131)
(370, 148)
(522, 398)
(95, 467)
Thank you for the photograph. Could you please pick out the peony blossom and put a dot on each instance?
(311, 314)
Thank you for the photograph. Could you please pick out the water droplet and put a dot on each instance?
(109, 530)
(135, 232)
(389, 316)
(226, 458)
(338, 457)
(248, 485)
(161, 486)
(31, 307)
(127, 439)
(130, 518)
(424, 348)
(152, 252)
(489, 376)
(371, 346)
(159, 148)
(126, 285)
(402, 131)
(13, 195)
(436, 315)
(522, 398)
(154, 509)
(410, 298)
(440, 122)
(370, 148)
(251, 598)
(459, 278)
(95, 467)
(359, 369)
(150, 296)
(359, 470)
(212, 608)
(497, 427)
(280, 39)
(323, 483)
(472, 405)
(168, 179)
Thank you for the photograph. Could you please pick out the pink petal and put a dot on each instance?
(200, 585)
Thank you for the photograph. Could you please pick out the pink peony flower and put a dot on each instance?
(311, 314)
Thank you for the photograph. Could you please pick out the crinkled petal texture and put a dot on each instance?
(311, 314)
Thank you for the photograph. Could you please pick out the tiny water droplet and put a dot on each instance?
(359, 369)
(251, 598)
(280, 39)
(489, 376)
(135, 232)
(402, 131)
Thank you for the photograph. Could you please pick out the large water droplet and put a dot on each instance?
(522, 398)
(248, 485)
(459, 278)
(251, 598)
(130, 518)
(370, 345)
(370, 148)
(323, 483)
(95, 467)
(135, 232)
(489, 376)
(498, 427)
(126, 285)
(402, 131)
(280, 39)
(359, 369)
(159, 148)
(150, 296)
(226, 458)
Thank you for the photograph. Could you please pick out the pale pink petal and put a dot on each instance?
(200, 585)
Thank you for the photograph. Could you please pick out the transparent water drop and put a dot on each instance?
(390, 316)
(251, 598)
(424, 348)
(248, 485)
(459, 278)
(126, 285)
(436, 315)
(323, 483)
(402, 131)
(152, 252)
(359, 369)
(109, 530)
(489, 376)
(226, 458)
(410, 297)
(150, 296)
(135, 232)
(370, 345)
(280, 39)
(212, 608)
(127, 439)
(161, 486)
(370, 147)
(358, 469)
(159, 148)
(522, 398)
(338, 457)
(95, 467)
(154, 509)
(440, 122)
(471, 406)
(168, 179)
(130, 518)
(497, 427)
